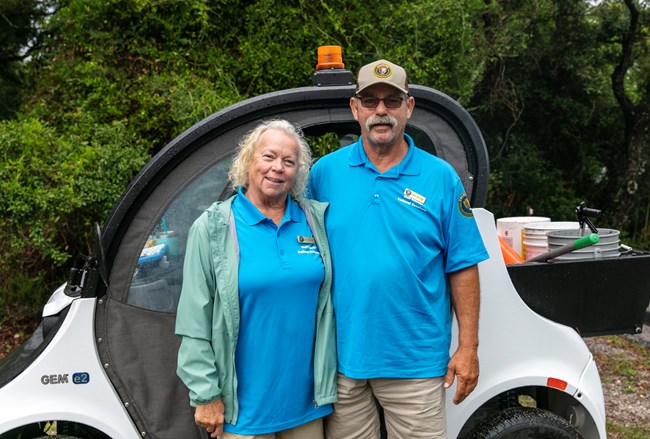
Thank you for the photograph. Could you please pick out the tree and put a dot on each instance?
(21, 33)
(107, 83)
(631, 86)
(113, 81)
(535, 106)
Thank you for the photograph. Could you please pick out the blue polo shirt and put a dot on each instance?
(279, 280)
(393, 237)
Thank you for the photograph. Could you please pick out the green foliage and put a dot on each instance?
(441, 44)
(547, 111)
(119, 79)
(323, 145)
(524, 183)
(54, 186)
(639, 234)
(110, 82)
(435, 41)
(24, 295)
(624, 42)
(628, 431)
(20, 24)
(130, 62)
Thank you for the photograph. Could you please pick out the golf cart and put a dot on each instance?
(102, 363)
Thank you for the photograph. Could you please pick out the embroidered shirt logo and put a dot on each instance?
(464, 206)
(307, 245)
(414, 196)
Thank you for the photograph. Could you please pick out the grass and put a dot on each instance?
(617, 431)
(624, 364)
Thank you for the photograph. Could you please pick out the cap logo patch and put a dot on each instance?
(382, 71)
(464, 206)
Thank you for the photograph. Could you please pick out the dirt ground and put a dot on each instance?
(624, 366)
(623, 362)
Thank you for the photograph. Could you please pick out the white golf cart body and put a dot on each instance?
(102, 363)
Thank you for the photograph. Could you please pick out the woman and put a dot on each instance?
(258, 352)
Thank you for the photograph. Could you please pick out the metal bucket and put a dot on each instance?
(607, 247)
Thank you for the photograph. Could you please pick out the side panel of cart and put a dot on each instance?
(526, 359)
(103, 361)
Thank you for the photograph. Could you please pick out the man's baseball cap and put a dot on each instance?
(382, 72)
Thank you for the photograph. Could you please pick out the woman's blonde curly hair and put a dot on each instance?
(238, 173)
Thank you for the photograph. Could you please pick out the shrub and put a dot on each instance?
(53, 187)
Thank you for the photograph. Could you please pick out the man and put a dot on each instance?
(404, 244)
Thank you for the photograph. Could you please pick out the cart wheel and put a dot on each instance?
(525, 423)
(57, 437)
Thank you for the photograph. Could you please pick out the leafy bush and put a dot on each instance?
(54, 186)
(112, 81)
(23, 296)
(524, 183)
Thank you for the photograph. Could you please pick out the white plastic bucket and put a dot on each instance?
(511, 230)
(535, 239)
(535, 249)
(607, 246)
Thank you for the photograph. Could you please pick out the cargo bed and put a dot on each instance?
(595, 297)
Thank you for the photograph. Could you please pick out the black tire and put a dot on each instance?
(57, 437)
(525, 423)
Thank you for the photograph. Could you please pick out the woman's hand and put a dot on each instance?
(210, 417)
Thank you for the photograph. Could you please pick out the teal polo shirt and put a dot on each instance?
(393, 237)
(279, 280)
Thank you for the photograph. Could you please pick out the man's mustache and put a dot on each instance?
(386, 119)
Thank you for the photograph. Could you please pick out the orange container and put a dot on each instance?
(509, 255)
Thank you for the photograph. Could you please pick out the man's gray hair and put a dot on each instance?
(238, 173)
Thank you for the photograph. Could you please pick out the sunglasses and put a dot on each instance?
(372, 102)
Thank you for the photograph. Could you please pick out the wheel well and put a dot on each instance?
(55, 429)
(541, 397)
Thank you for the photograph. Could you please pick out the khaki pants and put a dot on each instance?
(413, 408)
(310, 430)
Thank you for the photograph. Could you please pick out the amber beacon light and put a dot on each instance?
(330, 57)
(330, 70)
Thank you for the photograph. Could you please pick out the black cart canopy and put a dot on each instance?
(145, 235)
